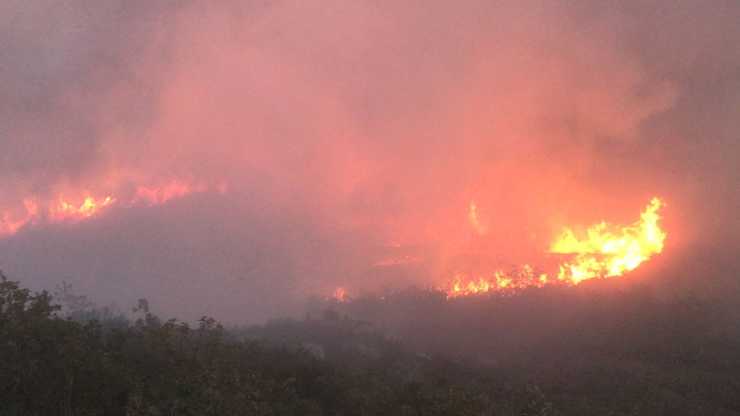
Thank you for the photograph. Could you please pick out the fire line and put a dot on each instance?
(604, 251)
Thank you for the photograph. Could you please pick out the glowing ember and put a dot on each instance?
(340, 295)
(604, 251)
(64, 208)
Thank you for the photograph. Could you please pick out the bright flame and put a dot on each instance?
(605, 251)
(63, 210)
(498, 281)
(67, 208)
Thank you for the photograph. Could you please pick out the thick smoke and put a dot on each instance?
(355, 134)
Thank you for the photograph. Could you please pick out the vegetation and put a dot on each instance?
(411, 353)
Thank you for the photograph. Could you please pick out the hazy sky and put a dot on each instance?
(351, 133)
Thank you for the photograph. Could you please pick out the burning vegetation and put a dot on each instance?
(604, 250)
(76, 206)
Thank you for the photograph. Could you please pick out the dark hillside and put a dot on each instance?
(554, 352)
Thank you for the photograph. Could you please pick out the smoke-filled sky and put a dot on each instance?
(337, 138)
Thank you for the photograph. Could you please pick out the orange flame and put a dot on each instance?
(11, 222)
(499, 281)
(605, 251)
(339, 295)
(65, 208)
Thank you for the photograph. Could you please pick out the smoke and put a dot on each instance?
(352, 134)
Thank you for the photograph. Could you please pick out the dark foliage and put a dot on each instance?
(626, 354)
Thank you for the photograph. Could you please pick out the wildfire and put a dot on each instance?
(67, 208)
(339, 294)
(604, 251)
(11, 222)
(607, 251)
(499, 281)
(63, 210)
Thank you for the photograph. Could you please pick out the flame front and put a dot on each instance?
(64, 210)
(521, 278)
(604, 251)
(607, 251)
(68, 208)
